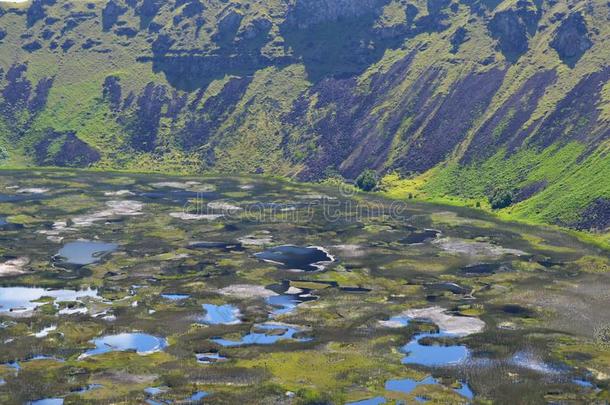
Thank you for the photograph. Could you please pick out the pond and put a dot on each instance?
(221, 314)
(47, 401)
(141, 343)
(408, 385)
(433, 355)
(287, 302)
(209, 358)
(20, 299)
(264, 334)
(297, 258)
(175, 297)
(84, 252)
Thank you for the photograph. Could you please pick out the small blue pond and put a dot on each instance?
(430, 355)
(209, 358)
(370, 401)
(142, 343)
(433, 355)
(197, 396)
(47, 401)
(221, 314)
(264, 334)
(27, 298)
(84, 252)
(175, 297)
(407, 385)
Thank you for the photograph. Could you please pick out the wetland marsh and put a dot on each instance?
(128, 288)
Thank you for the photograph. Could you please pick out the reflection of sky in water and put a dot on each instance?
(209, 358)
(175, 297)
(47, 401)
(261, 338)
(22, 297)
(370, 401)
(85, 252)
(433, 355)
(221, 314)
(198, 396)
(407, 385)
(282, 304)
(142, 343)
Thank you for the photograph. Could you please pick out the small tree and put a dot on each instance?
(367, 180)
(500, 198)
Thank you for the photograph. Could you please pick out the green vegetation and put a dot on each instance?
(367, 181)
(303, 89)
(500, 198)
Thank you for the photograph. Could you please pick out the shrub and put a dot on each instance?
(367, 180)
(500, 198)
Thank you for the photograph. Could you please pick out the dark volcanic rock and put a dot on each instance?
(512, 28)
(192, 8)
(575, 117)
(228, 24)
(111, 14)
(305, 13)
(32, 46)
(571, 40)
(257, 28)
(64, 149)
(458, 38)
(111, 91)
(145, 126)
(41, 93)
(455, 115)
(203, 122)
(68, 43)
(511, 34)
(596, 216)
(126, 32)
(528, 191)
(148, 10)
(37, 11)
(2, 34)
(17, 91)
(506, 124)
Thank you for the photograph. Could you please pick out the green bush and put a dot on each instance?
(500, 198)
(367, 180)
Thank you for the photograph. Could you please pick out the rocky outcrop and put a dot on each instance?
(204, 121)
(147, 10)
(513, 28)
(506, 127)
(458, 38)
(256, 28)
(305, 13)
(37, 11)
(571, 40)
(595, 217)
(145, 125)
(17, 91)
(111, 14)
(575, 117)
(63, 149)
(111, 92)
(228, 24)
(41, 94)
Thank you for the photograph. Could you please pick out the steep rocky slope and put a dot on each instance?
(448, 99)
